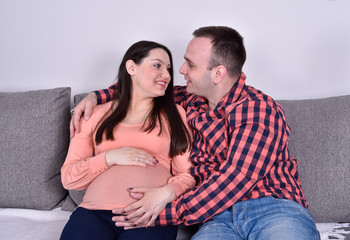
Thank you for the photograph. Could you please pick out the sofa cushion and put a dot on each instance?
(33, 145)
(320, 140)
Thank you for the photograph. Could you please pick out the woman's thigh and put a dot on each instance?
(85, 224)
(151, 233)
(97, 224)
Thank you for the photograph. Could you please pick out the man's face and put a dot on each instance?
(195, 67)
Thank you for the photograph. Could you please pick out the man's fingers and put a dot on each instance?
(71, 129)
(76, 120)
(88, 112)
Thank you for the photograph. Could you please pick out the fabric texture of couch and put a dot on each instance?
(33, 144)
(35, 136)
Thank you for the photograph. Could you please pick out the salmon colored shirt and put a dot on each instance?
(106, 187)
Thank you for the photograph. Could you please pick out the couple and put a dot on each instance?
(247, 185)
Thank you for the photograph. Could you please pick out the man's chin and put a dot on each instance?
(189, 89)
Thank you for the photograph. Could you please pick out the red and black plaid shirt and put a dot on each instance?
(240, 151)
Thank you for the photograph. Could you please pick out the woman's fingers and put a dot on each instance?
(145, 159)
(151, 222)
(130, 156)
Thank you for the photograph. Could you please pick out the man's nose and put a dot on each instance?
(183, 69)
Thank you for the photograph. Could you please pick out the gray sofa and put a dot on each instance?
(34, 140)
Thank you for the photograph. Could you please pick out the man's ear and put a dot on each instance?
(130, 67)
(219, 74)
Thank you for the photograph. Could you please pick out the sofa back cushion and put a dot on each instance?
(34, 140)
(320, 140)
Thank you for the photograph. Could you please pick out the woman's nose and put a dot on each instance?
(166, 73)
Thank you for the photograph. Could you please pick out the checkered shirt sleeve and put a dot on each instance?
(105, 95)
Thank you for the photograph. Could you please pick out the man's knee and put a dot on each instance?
(287, 228)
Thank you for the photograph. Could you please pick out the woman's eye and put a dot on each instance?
(156, 65)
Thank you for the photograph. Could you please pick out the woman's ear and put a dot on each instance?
(130, 67)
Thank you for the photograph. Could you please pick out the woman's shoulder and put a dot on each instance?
(103, 108)
(181, 110)
(99, 112)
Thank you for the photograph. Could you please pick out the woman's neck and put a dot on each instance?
(138, 111)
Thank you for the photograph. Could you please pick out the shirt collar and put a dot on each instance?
(229, 98)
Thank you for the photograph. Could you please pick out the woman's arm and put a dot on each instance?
(81, 166)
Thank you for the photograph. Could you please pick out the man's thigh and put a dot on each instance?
(220, 227)
(276, 219)
(265, 218)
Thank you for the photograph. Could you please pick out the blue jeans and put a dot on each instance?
(87, 224)
(264, 218)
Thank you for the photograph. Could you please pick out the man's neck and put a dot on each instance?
(219, 94)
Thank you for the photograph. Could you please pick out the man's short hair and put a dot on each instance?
(228, 48)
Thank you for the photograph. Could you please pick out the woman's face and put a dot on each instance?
(151, 77)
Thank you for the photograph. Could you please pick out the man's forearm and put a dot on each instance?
(105, 95)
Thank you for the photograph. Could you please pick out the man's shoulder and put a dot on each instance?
(251, 100)
(180, 87)
(180, 90)
(181, 95)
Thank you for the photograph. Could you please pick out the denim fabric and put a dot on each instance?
(264, 218)
(87, 224)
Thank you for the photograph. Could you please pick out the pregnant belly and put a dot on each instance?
(109, 189)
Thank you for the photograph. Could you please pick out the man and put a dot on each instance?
(248, 185)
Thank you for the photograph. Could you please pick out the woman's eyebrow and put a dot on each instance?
(157, 59)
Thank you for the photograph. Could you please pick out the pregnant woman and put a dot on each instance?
(139, 139)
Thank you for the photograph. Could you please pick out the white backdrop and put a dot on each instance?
(296, 49)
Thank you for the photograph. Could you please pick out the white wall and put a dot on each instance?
(296, 48)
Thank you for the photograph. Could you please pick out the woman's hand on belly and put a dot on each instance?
(130, 156)
(146, 210)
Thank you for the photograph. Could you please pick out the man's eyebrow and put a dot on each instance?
(188, 60)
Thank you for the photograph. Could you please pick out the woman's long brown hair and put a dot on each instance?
(164, 107)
